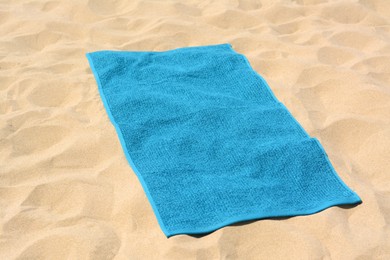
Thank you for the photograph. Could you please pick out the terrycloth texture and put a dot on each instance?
(209, 141)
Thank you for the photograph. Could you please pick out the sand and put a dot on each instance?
(66, 189)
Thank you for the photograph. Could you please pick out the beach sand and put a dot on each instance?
(66, 189)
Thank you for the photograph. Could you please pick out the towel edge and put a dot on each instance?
(124, 147)
(352, 200)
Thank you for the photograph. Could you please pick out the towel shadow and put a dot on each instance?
(238, 224)
(246, 222)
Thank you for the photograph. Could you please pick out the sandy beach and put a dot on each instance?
(66, 188)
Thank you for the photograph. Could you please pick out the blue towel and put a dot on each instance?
(209, 141)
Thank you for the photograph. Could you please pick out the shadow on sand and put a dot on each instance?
(246, 222)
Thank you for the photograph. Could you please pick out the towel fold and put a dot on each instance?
(209, 141)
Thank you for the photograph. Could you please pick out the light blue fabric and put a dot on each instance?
(209, 141)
